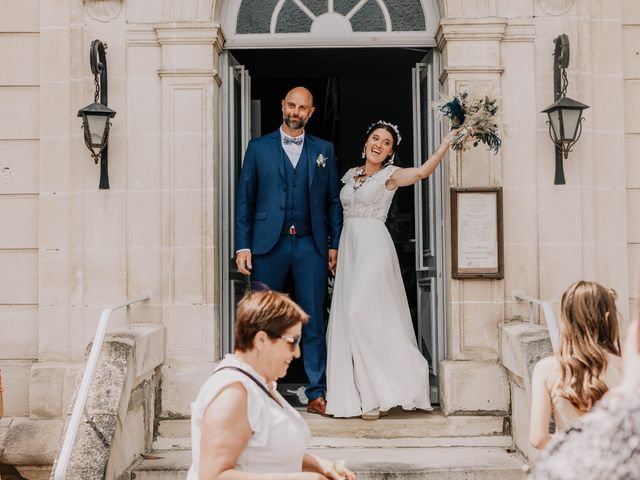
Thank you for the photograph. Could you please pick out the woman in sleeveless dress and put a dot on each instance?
(604, 443)
(241, 427)
(585, 366)
(373, 361)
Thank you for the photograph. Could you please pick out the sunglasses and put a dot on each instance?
(292, 341)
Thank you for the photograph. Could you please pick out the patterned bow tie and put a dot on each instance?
(294, 141)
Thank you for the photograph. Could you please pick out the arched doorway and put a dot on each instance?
(364, 60)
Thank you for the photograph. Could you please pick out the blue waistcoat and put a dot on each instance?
(297, 208)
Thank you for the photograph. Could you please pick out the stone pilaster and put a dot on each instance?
(471, 379)
(189, 165)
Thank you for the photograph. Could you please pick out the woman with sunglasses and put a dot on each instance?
(241, 427)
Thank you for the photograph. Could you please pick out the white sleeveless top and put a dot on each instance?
(279, 437)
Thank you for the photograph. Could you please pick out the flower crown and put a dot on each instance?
(391, 125)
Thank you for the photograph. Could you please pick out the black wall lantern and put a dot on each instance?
(565, 114)
(95, 117)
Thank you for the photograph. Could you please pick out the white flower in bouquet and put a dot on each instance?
(478, 114)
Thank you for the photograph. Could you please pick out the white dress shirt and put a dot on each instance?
(292, 150)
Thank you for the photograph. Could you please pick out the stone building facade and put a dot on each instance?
(68, 249)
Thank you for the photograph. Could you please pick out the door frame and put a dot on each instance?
(229, 277)
(437, 210)
(430, 276)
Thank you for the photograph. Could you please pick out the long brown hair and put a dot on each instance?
(589, 329)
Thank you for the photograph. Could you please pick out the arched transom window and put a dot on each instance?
(249, 23)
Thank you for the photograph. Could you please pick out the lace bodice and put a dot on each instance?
(371, 199)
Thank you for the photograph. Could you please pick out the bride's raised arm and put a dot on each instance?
(404, 177)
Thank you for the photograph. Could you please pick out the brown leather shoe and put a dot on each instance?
(318, 405)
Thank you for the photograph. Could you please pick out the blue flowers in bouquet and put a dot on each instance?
(477, 114)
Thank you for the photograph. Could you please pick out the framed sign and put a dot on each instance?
(476, 232)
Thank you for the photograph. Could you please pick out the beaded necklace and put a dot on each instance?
(360, 177)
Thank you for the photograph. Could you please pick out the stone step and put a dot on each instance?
(373, 463)
(398, 424)
(401, 424)
(505, 441)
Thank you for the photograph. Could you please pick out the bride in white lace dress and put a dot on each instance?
(373, 360)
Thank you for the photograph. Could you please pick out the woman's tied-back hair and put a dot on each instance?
(589, 329)
(265, 310)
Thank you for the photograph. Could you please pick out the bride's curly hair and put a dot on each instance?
(589, 329)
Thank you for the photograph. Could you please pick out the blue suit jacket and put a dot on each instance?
(261, 194)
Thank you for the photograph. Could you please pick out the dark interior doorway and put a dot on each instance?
(352, 88)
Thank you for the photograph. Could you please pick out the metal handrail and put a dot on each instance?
(85, 384)
(547, 310)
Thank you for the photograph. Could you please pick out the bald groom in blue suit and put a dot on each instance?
(288, 219)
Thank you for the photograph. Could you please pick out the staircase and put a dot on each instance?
(402, 445)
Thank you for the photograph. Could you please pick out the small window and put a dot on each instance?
(299, 16)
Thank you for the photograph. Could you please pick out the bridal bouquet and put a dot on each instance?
(478, 114)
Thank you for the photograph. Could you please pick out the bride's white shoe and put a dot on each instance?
(374, 414)
(371, 414)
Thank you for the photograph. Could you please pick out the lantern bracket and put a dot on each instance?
(561, 57)
(98, 111)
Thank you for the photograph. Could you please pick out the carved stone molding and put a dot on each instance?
(142, 36)
(473, 70)
(103, 10)
(191, 33)
(520, 30)
(469, 29)
(192, 73)
(556, 7)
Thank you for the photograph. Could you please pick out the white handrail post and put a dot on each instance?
(85, 385)
(547, 310)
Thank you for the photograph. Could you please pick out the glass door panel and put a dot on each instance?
(235, 133)
(429, 219)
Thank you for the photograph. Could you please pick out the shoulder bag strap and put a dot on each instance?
(255, 380)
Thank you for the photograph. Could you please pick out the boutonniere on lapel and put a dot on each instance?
(321, 161)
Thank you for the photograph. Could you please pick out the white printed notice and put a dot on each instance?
(477, 232)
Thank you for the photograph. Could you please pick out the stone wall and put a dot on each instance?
(20, 104)
(68, 250)
(582, 226)
(553, 234)
(121, 403)
(522, 344)
(630, 12)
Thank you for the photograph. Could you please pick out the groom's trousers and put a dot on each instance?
(309, 269)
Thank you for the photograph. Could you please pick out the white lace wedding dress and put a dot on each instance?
(373, 360)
